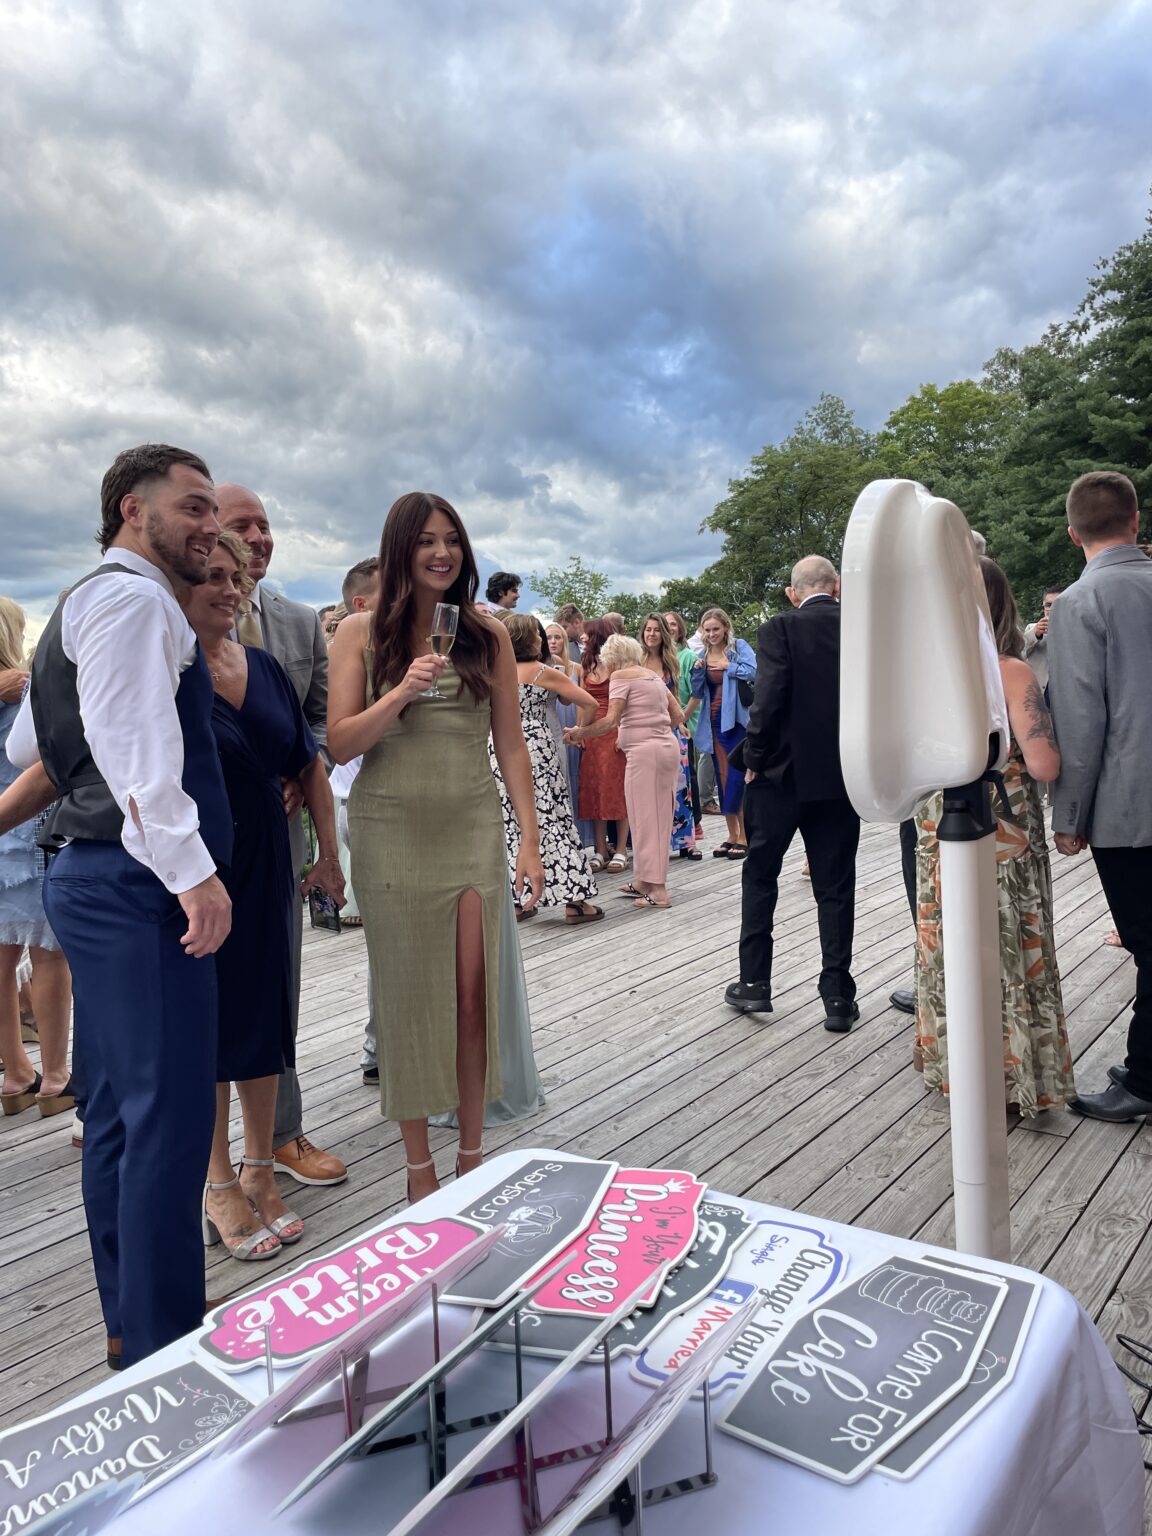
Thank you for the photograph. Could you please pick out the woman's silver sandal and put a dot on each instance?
(244, 1248)
(278, 1223)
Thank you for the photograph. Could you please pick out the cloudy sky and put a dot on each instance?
(570, 263)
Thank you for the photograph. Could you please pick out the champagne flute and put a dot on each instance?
(444, 622)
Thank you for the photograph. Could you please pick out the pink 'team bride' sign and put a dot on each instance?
(309, 1307)
(646, 1224)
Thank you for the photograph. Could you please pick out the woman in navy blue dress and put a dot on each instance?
(263, 740)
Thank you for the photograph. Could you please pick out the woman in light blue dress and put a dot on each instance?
(23, 924)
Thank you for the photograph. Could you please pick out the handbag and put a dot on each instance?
(746, 691)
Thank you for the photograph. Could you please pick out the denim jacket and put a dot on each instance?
(741, 668)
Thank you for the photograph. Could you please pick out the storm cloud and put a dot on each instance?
(568, 265)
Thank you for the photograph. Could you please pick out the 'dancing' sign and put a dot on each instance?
(154, 1428)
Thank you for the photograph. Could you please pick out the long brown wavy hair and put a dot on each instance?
(669, 656)
(476, 649)
(1002, 607)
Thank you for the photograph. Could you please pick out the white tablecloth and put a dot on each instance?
(1056, 1454)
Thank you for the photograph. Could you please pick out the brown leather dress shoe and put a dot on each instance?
(308, 1164)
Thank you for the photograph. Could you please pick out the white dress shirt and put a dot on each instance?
(130, 642)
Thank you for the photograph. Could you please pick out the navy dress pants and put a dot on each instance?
(145, 1040)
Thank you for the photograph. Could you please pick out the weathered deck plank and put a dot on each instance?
(642, 1060)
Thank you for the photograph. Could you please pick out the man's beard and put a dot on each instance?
(189, 568)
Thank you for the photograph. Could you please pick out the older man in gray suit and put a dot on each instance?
(1099, 645)
(293, 634)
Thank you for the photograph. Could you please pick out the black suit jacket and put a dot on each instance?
(794, 723)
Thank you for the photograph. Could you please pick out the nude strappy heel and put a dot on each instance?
(277, 1226)
(417, 1168)
(245, 1248)
(466, 1152)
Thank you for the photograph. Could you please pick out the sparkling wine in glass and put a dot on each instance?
(442, 638)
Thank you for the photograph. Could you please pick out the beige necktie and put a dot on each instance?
(248, 626)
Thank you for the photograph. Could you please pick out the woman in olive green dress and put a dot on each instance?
(1037, 1059)
(425, 828)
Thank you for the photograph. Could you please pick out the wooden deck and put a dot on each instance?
(642, 1061)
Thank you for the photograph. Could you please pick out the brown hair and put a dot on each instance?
(236, 547)
(524, 631)
(596, 631)
(1101, 504)
(680, 634)
(669, 659)
(131, 470)
(569, 613)
(360, 580)
(476, 649)
(1002, 607)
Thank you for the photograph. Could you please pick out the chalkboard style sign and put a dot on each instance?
(862, 1371)
(155, 1428)
(994, 1371)
(543, 1206)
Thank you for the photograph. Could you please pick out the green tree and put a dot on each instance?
(634, 606)
(794, 501)
(949, 439)
(572, 583)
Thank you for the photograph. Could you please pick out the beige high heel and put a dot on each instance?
(278, 1224)
(466, 1152)
(418, 1168)
(244, 1248)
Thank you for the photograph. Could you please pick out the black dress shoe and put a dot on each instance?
(1115, 1103)
(904, 1000)
(1119, 1075)
(749, 996)
(371, 1077)
(839, 1016)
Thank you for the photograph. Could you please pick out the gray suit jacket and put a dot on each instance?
(293, 634)
(1099, 650)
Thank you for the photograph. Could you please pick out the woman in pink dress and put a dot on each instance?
(646, 714)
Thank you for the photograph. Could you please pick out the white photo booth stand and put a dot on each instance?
(922, 708)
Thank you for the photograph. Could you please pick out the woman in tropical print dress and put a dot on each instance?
(1037, 1059)
(568, 878)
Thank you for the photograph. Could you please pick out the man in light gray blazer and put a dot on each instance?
(292, 633)
(1099, 651)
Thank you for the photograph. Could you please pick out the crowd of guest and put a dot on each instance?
(152, 841)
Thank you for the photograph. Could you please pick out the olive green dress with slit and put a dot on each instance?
(424, 827)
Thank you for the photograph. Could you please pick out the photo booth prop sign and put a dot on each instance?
(994, 1371)
(156, 1428)
(720, 1230)
(322, 1298)
(354, 1344)
(645, 1224)
(787, 1265)
(542, 1206)
(861, 1371)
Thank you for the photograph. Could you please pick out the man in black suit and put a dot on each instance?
(793, 783)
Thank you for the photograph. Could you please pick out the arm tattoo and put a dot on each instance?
(1039, 720)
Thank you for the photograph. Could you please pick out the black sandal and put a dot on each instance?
(737, 851)
(582, 912)
(722, 851)
(690, 853)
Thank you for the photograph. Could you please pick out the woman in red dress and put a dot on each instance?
(602, 767)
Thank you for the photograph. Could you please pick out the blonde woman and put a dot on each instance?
(23, 923)
(722, 722)
(645, 714)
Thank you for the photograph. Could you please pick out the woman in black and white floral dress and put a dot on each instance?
(568, 878)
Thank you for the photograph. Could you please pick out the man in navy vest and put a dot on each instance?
(119, 713)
